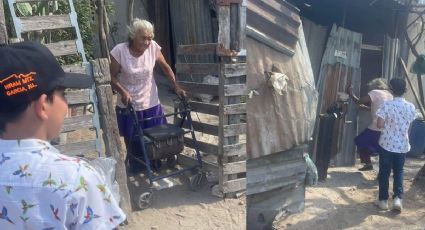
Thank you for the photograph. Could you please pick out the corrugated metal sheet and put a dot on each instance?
(390, 57)
(316, 36)
(341, 67)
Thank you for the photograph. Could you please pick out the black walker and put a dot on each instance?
(163, 142)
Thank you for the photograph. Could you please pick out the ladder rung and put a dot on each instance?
(22, 1)
(50, 22)
(74, 68)
(63, 48)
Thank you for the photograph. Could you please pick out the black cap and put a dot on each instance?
(28, 70)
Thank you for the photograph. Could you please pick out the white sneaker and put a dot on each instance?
(397, 204)
(382, 204)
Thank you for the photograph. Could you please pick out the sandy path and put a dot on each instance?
(346, 201)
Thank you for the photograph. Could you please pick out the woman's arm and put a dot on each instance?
(170, 75)
(363, 102)
(380, 123)
(115, 68)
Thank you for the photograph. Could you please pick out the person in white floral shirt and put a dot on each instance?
(39, 187)
(395, 118)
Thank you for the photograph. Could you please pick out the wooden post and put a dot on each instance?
(104, 51)
(108, 123)
(3, 31)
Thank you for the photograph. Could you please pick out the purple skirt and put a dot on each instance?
(125, 121)
(368, 139)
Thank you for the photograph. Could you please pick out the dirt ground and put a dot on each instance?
(346, 201)
(179, 208)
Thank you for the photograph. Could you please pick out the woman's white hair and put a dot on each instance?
(377, 83)
(138, 25)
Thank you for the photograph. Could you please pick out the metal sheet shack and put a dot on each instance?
(281, 111)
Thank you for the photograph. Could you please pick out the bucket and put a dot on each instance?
(417, 138)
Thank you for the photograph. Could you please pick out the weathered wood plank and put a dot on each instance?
(198, 49)
(234, 167)
(200, 127)
(75, 97)
(235, 90)
(63, 48)
(3, 32)
(224, 26)
(203, 146)
(190, 161)
(50, 22)
(285, 12)
(21, 1)
(234, 185)
(192, 87)
(234, 130)
(235, 150)
(108, 123)
(74, 68)
(78, 122)
(235, 70)
(235, 109)
(78, 148)
(198, 68)
(205, 108)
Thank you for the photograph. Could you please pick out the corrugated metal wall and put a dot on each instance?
(316, 36)
(341, 67)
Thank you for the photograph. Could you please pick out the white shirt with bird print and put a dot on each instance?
(42, 189)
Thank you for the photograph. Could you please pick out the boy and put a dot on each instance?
(394, 117)
(39, 187)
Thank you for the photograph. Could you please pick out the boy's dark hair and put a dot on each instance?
(398, 86)
(16, 114)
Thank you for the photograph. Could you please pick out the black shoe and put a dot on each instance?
(366, 167)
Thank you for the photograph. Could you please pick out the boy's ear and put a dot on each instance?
(40, 107)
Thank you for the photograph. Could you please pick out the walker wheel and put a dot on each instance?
(196, 181)
(172, 161)
(144, 201)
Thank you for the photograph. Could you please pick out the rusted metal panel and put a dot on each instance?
(341, 67)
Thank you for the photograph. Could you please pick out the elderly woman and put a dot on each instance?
(367, 141)
(132, 68)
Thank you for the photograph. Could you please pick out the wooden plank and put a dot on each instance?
(75, 97)
(108, 123)
(200, 127)
(234, 130)
(371, 47)
(188, 161)
(78, 122)
(22, 1)
(235, 90)
(235, 109)
(63, 48)
(198, 49)
(234, 185)
(74, 68)
(50, 22)
(205, 108)
(234, 150)
(3, 32)
(203, 146)
(198, 68)
(235, 70)
(78, 148)
(224, 26)
(192, 87)
(234, 167)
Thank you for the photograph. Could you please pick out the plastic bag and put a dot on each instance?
(311, 176)
(106, 168)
